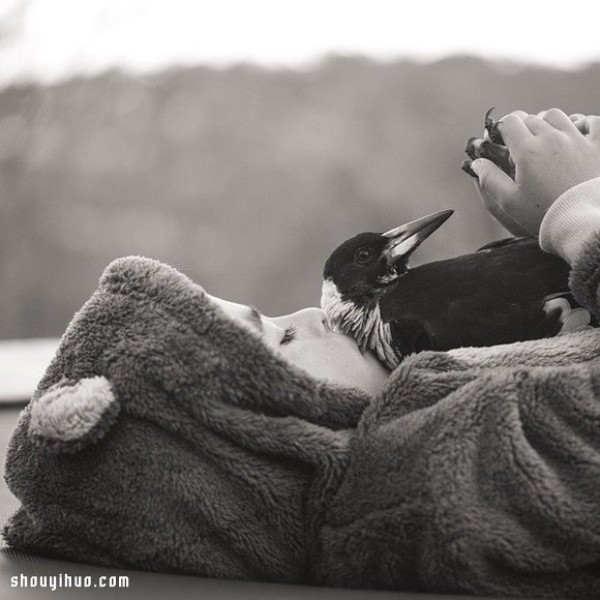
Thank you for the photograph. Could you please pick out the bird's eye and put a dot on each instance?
(363, 256)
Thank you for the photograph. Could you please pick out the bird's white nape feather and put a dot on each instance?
(363, 323)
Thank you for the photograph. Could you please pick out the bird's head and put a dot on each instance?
(361, 269)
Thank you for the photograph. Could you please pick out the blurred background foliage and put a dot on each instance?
(244, 178)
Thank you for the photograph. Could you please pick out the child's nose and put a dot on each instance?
(311, 320)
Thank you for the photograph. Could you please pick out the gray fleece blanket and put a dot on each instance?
(165, 437)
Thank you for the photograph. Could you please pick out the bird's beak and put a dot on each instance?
(406, 239)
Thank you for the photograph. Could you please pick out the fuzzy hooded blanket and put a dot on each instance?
(165, 437)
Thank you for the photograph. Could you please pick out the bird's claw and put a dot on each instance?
(466, 167)
(471, 148)
(491, 126)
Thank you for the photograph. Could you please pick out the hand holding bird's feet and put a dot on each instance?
(551, 153)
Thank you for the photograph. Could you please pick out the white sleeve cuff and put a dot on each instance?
(572, 221)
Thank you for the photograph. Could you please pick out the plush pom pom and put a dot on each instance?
(70, 416)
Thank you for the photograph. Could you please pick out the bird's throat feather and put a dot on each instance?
(362, 322)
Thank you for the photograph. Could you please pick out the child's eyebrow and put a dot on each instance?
(255, 317)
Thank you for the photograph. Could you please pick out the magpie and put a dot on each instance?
(495, 295)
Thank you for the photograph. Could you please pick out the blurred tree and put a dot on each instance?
(244, 178)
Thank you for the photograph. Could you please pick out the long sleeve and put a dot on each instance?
(571, 229)
(572, 221)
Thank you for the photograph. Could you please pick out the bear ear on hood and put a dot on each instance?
(71, 415)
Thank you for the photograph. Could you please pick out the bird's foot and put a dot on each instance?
(491, 146)
(466, 167)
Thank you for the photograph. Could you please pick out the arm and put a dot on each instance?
(571, 229)
(572, 222)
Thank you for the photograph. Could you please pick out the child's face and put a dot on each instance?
(304, 340)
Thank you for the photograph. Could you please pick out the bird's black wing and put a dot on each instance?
(466, 323)
(504, 242)
(495, 296)
(412, 334)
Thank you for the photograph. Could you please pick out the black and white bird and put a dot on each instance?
(493, 296)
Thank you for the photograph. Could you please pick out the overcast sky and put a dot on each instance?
(52, 39)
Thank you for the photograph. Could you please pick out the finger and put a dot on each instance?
(506, 220)
(536, 125)
(493, 180)
(560, 305)
(521, 114)
(517, 113)
(513, 129)
(474, 147)
(594, 127)
(582, 126)
(590, 126)
(496, 210)
(578, 318)
(559, 120)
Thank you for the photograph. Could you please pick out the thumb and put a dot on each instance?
(493, 180)
(497, 190)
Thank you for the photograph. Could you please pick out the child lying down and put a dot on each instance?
(176, 432)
